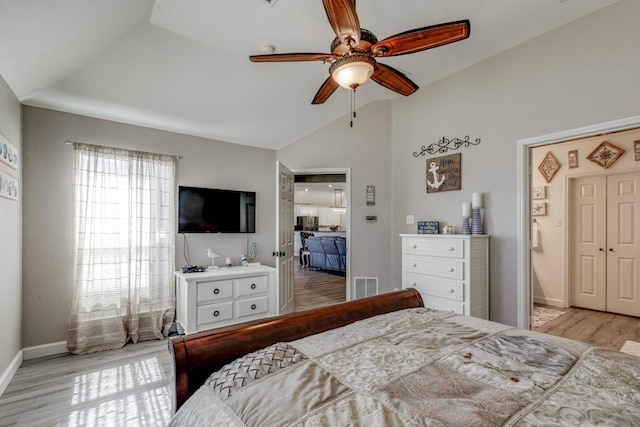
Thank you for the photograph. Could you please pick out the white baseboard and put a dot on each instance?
(44, 350)
(549, 301)
(11, 370)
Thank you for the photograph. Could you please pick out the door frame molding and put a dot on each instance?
(347, 172)
(524, 299)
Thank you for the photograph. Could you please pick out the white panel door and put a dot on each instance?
(589, 257)
(284, 237)
(623, 249)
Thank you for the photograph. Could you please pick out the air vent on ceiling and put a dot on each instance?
(270, 2)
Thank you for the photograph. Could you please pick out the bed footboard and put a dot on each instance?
(198, 355)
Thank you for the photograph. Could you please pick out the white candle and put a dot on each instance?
(476, 200)
(466, 210)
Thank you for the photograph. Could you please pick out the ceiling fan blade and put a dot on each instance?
(343, 19)
(422, 39)
(292, 57)
(326, 90)
(393, 79)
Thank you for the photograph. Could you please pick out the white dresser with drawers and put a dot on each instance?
(225, 296)
(451, 271)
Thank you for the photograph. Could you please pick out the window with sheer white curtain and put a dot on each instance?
(124, 248)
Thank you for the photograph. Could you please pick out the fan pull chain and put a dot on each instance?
(353, 107)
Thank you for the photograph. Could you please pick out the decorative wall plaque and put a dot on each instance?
(573, 159)
(605, 154)
(444, 173)
(539, 208)
(549, 167)
(539, 192)
(636, 148)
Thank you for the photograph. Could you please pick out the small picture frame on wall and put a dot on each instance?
(371, 195)
(573, 159)
(539, 208)
(539, 192)
(636, 150)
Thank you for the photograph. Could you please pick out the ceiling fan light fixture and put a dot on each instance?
(352, 71)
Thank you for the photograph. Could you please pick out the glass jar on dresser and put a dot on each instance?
(451, 271)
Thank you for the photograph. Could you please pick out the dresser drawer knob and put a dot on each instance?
(413, 264)
(451, 248)
(450, 269)
(253, 286)
(253, 306)
(414, 246)
(216, 291)
(216, 313)
(450, 290)
(414, 284)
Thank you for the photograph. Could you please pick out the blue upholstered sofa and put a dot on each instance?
(327, 253)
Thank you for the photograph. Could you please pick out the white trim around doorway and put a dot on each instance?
(524, 299)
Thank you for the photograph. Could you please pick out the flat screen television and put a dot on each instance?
(209, 210)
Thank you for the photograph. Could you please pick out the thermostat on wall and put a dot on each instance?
(372, 218)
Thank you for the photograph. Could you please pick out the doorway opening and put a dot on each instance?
(321, 237)
(525, 171)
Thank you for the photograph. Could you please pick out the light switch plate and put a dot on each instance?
(411, 219)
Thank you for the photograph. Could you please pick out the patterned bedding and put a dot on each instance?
(421, 367)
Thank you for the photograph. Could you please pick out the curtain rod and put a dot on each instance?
(69, 142)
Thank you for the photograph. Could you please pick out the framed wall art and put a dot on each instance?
(8, 186)
(605, 154)
(539, 192)
(539, 208)
(573, 159)
(444, 173)
(549, 167)
(636, 149)
(8, 153)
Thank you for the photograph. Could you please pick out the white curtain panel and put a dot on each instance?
(124, 248)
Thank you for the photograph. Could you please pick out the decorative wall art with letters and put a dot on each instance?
(444, 173)
(605, 154)
(573, 159)
(8, 153)
(8, 186)
(549, 167)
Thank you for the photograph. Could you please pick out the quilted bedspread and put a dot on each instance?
(421, 367)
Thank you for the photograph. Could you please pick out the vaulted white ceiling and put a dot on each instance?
(183, 66)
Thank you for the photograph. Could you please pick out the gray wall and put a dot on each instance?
(581, 74)
(48, 214)
(366, 150)
(584, 73)
(10, 236)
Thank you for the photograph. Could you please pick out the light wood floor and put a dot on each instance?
(597, 328)
(315, 289)
(131, 386)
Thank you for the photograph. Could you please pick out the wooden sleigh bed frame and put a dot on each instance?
(198, 355)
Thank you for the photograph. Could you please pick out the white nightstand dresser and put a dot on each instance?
(225, 296)
(451, 271)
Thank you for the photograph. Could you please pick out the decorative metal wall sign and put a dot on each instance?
(445, 145)
(444, 173)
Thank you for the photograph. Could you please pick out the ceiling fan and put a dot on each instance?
(354, 51)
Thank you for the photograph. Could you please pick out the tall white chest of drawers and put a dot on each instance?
(451, 271)
(225, 296)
